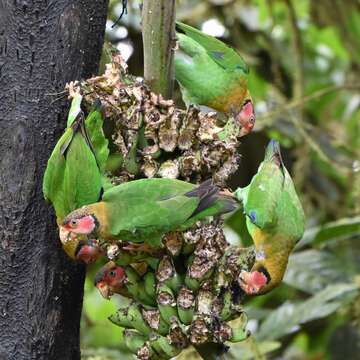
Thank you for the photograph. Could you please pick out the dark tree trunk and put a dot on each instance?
(43, 45)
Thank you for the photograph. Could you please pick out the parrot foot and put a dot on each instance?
(226, 192)
(139, 247)
(252, 282)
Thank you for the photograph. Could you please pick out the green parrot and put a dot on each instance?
(73, 176)
(275, 220)
(211, 73)
(141, 211)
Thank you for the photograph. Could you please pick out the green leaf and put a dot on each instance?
(312, 270)
(249, 349)
(340, 229)
(287, 318)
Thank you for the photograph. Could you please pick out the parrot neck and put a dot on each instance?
(271, 259)
(232, 100)
(99, 213)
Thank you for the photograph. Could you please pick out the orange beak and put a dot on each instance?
(104, 290)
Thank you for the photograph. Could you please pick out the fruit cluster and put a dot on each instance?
(186, 295)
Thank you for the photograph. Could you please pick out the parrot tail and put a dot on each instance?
(273, 153)
(208, 193)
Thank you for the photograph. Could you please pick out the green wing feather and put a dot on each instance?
(82, 179)
(270, 201)
(148, 205)
(222, 54)
(53, 188)
(290, 214)
(94, 127)
(143, 210)
(261, 196)
(208, 70)
(73, 177)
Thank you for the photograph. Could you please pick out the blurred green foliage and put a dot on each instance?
(304, 58)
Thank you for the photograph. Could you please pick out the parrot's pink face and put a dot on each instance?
(246, 117)
(88, 252)
(82, 225)
(252, 282)
(110, 279)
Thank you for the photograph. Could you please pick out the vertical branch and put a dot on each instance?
(299, 81)
(158, 38)
(299, 93)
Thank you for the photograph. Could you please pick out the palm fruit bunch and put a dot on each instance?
(185, 296)
(153, 138)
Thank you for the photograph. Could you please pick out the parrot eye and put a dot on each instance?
(73, 222)
(112, 273)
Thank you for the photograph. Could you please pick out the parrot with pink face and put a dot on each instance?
(212, 73)
(275, 220)
(140, 212)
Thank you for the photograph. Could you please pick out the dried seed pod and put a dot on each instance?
(169, 169)
(149, 167)
(199, 331)
(153, 318)
(188, 129)
(189, 164)
(166, 302)
(177, 334)
(186, 305)
(173, 242)
(204, 301)
(168, 133)
(145, 352)
(166, 274)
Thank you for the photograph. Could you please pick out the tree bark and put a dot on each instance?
(43, 45)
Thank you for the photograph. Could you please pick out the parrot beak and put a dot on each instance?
(104, 290)
(64, 235)
(246, 117)
(252, 282)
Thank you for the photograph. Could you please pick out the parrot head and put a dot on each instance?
(80, 222)
(254, 282)
(246, 116)
(110, 279)
(78, 247)
(88, 251)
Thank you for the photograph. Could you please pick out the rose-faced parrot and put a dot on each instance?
(142, 211)
(275, 220)
(73, 176)
(213, 74)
